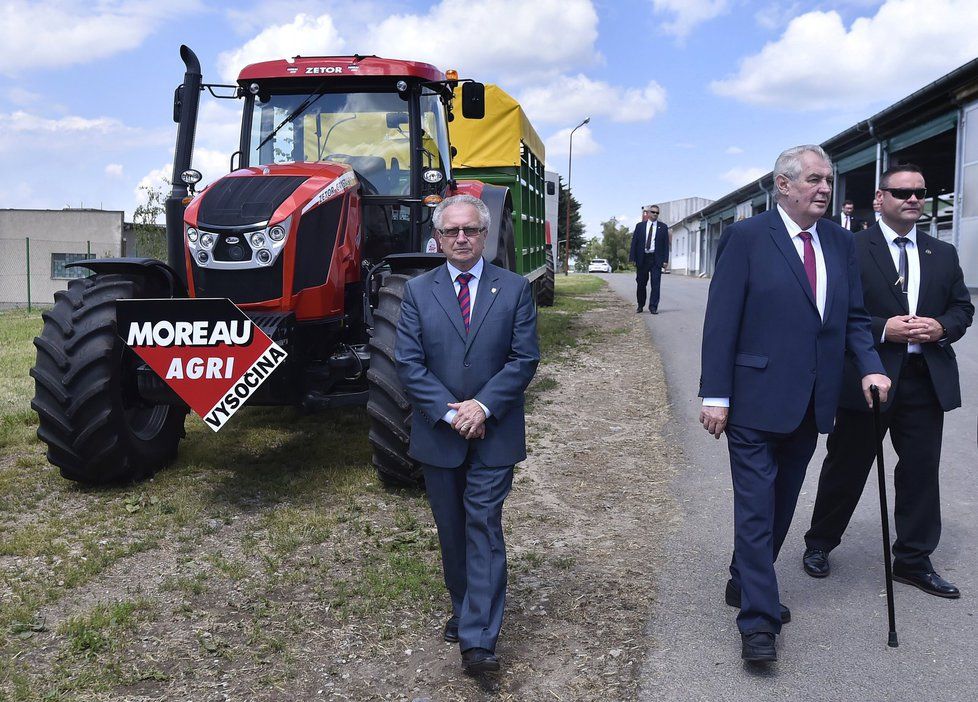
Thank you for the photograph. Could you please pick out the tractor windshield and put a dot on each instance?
(370, 131)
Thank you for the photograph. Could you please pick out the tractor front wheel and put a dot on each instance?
(97, 428)
(388, 405)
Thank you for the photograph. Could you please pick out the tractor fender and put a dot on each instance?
(168, 283)
(500, 244)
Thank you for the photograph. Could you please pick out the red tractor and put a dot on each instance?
(325, 215)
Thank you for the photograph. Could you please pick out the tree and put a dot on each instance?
(615, 241)
(577, 240)
(149, 236)
(588, 252)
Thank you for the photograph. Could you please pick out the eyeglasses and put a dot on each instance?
(655, 212)
(452, 233)
(905, 193)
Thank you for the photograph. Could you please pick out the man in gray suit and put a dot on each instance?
(466, 351)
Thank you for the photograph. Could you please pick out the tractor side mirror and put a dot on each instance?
(473, 100)
(551, 188)
(396, 119)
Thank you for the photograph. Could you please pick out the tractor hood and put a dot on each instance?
(267, 194)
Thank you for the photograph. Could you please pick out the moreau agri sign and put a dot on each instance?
(207, 351)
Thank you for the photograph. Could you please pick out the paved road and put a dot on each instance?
(834, 649)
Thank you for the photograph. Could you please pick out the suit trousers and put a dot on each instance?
(467, 503)
(915, 422)
(768, 470)
(648, 271)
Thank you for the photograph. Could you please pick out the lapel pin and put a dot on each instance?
(927, 251)
(493, 291)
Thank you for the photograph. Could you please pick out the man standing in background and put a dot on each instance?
(650, 253)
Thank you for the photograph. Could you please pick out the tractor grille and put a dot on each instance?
(241, 285)
(315, 243)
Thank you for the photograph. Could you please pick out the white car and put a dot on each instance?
(599, 265)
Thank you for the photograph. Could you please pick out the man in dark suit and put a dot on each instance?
(847, 218)
(466, 351)
(784, 307)
(650, 253)
(916, 296)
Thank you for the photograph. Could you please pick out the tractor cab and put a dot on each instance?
(386, 120)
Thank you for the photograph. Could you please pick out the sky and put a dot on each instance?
(685, 97)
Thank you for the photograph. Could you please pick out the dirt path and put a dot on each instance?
(282, 584)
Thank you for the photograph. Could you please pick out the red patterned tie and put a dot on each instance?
(806, 237)
(464, 301)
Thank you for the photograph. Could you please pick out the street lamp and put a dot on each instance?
(570, 153)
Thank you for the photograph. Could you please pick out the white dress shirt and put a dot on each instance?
(913, 271)
(653, 227)
(476, 273)
(820, 280)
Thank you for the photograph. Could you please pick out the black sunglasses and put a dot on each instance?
(905, 193)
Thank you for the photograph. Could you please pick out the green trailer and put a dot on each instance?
(504, 149)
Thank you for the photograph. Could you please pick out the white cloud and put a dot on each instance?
(24, 122)
(57, 33)
(22, 96)
(559, 143)
(303, 36)
(113, 170)
(687, 14)
(513, 40)
(743, 175)
(734, 150)
(819, 64)
(570, 98)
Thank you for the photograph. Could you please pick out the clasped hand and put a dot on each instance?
(470, 420)
(910, 329)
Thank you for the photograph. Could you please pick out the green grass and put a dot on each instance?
(556, 325)
(17, 421)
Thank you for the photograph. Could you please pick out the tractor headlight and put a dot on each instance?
(277, 233)
(264, 256)
(192, 234)
(202, 257)
(207, 240)
(257, 240)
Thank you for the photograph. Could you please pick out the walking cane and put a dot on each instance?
(884, 513)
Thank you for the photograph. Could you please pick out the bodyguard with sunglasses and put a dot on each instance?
(914, 290)
(466, 351)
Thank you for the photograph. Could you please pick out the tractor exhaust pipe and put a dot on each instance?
(185, 101)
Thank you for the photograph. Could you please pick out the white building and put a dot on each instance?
(35, 246)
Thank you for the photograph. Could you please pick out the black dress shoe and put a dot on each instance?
(732, 597)
(654, 310)
(638, 310)
(479, 660)
(451, 630)
(815, 561)
(931, 583)
(758, 647)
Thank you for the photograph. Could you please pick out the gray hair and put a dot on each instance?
(789, 162)
(484, 218)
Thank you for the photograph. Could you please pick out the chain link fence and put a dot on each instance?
(33, 269)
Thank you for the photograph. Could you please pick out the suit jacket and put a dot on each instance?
(942, 296)
(855, 223)
(438, 363)
(764, 344)
(637, 255)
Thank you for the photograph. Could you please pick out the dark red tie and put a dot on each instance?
(806, 237)
(464, 301)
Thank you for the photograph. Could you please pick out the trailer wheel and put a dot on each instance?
(96, 427)
(545, 297)
(388, 406)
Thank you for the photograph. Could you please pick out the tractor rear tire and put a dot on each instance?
(96, 427)
(388, 405)
(545, 298)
